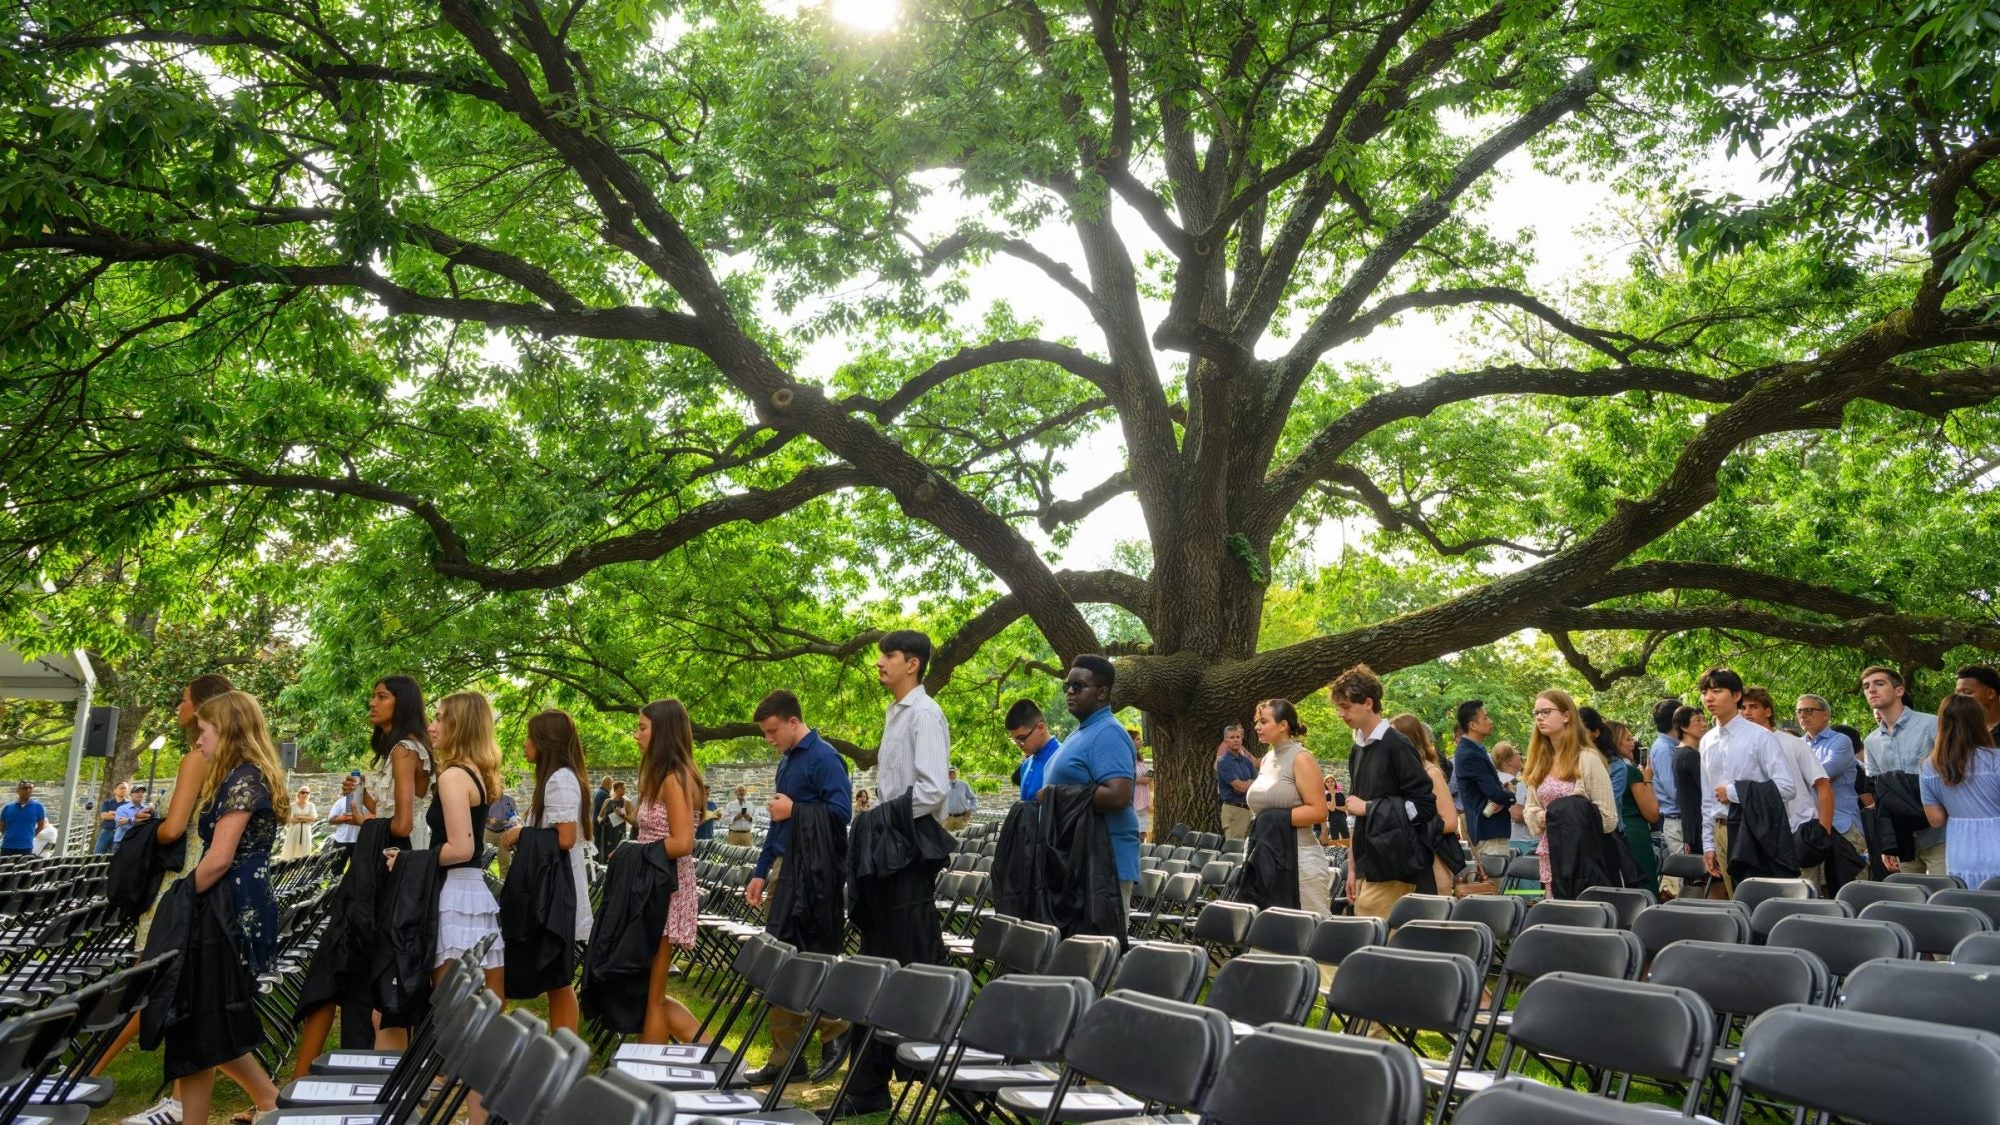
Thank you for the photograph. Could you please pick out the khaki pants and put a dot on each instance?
(788, 1027)
(1235, 822)
(1722, 858)
(737, 839)
(1375, 900)
(956, 822)
(1929, 861)
(1670, 830)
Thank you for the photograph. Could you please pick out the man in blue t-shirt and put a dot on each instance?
(1100, 754)
(22, 821)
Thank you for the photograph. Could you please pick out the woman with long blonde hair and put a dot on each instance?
(468, 776)
(672, 799)
(239, 826)
(1557, 768)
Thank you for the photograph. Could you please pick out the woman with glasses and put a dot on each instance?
(1558, 769)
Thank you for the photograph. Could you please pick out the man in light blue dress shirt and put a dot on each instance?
(1901, 740)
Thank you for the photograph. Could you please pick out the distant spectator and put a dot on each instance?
(1235, 771)
(741, 819)
(23, 821)
(107, 820)
(959, 801)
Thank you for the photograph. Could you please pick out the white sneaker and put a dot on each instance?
(167, 1111)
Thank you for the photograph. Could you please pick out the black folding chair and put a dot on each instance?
(1286, 1074)
(1937, 930)
(1406, 993)
(1660, 926)
(1771, 911)
(1616, 1028)
(1804, 1055)
(1149, 1054)
(1959, 995)
(1165, 969)
(1844, 944)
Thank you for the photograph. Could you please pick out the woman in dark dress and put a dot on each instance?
(239, 826)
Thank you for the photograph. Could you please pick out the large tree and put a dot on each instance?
(506, 271)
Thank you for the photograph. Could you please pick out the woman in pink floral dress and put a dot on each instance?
(671, 795)
(1559, 766)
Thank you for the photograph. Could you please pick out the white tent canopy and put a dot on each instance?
(55, 676)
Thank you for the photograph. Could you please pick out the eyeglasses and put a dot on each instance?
(1021, 739)
(1806, 710)
(1539, 712)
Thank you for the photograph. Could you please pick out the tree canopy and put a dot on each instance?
(495, 315)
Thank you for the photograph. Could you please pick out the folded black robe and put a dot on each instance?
(809, 906)
(1271, 862)
(406, 929)
(1840, 864)
(631, 921)
(1577, 854)
(1760, 834)
(1899, 814)
(341, 966)
(203, 1003)
(132, 880)
(538, 914)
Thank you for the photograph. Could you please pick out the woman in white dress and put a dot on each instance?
(299, 831)
(1289, 777)
(560, 782)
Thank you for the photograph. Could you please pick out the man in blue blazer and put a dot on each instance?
(1476, 785)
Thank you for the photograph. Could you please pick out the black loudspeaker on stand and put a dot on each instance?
(100, 732)
(288, 755)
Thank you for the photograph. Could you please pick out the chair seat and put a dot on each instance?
(1081, 1103)
(54, 1115)
(356, 1062)
(331, 1091)
(1727, 1058)
(919, 1056)
(993, 1079)
(1465, 1082)
(735, 1104)
(346, 1115)
(93, 1093)
(675, 1076)
(672, 1054)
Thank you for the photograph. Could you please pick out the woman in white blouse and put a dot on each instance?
(560, 783)
(299, 832)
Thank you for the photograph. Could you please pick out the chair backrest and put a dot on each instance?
(1216, 872)
(1750, 892)
(1295, 1074)
(1090, 956)
(797, 983)
(1743, 980)
(1986, 902)
(1770, 911)
(27, 1040)
(1027, 1017)
(1334, 938)
(1224, 923)
(1931, 883)
(1165, 969)
(1960, 995)
(1627, 901)
(1660, 926)
(1844, 944)
(484, 1065)
(1406, 989)
(1977, 949)
(1937, 930)
(1572, 913)
(758, 959)
(1538, 950)
(1503, 914)
(1260, 988)
(1863, 893)
(1806, 1055)
(922, 1002)
(548, 1066)
(1523, 1101)
(658, 1100)
(1278, 930)
(1648, 1030)
(991, 934)
(1028, 947)
(1412, 908)
(1155, 1050)
(1470, 940)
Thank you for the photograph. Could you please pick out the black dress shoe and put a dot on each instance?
(762, 1076)
(831, 1052)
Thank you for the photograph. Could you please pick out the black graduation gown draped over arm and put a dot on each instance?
(1760, 834)
(1017, 863)
(1271, 862)
(340, 969)
(538, 914)
(406, 940)
(132, 881)
(628, 929)
(204, 1004)
(809, 908)
(1575, 832)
